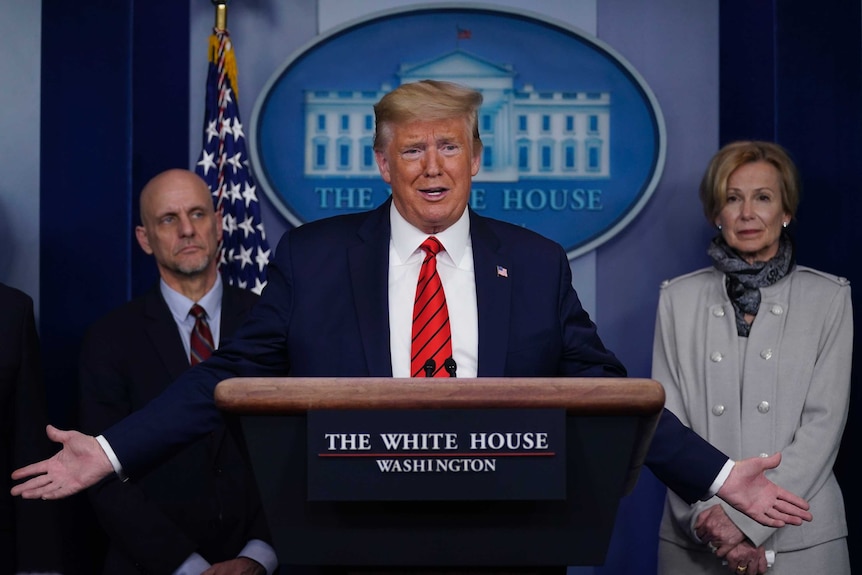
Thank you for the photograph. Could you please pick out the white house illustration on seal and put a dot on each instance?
(527, 133)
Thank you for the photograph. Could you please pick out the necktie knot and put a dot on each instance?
(198, 312)
(432, 247)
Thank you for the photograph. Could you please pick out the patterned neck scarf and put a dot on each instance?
(744, 280)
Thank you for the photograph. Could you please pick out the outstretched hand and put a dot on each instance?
(81, 463)
(748, 490)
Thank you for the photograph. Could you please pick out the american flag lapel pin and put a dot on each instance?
(502, 272)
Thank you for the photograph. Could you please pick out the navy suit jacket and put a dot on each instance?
(325, 312)
(203, 498)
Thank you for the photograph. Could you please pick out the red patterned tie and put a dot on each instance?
(432, 336)
(202, 338)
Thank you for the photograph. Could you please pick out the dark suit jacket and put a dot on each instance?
(202, 499)
(325, 312)
(29, 532)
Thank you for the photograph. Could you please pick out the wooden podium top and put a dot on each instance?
(294, 395)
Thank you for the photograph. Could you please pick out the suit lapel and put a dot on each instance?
(369, 277)
(493, 296)
(162, 332)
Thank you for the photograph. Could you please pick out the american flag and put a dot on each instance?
(223, 164)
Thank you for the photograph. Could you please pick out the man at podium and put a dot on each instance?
(421, 285)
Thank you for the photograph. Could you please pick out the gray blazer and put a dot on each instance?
(785, 388)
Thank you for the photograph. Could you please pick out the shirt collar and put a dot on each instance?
(180, 304)
(406, 238)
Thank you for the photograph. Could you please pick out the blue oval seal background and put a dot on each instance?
(537, 63)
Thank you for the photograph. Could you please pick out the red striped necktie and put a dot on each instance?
(201, 341)
(432, 336)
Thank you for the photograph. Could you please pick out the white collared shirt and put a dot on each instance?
(455, 266)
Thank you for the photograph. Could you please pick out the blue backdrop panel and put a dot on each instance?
(792, 72)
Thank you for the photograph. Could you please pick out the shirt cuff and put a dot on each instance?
(112, 457)
(194, 565)
(720, 479)
(261, 552)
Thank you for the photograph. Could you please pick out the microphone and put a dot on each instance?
(430, 367)
(451, 367)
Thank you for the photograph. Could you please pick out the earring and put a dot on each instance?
(784, 224)
(718, 226)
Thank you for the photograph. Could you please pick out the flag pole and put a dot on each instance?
(220, 14)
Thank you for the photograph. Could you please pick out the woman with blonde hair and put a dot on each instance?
(754, 354)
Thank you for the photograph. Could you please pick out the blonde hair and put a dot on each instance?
(713, 187)
(427, 100)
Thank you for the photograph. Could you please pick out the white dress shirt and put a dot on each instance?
(455, 267)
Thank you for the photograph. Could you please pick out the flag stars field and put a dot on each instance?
(224, 165)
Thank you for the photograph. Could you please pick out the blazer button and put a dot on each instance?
(718, 312)
(766, 353)
(776, 310)
(717, 409)
(716, 356)
(763, 407)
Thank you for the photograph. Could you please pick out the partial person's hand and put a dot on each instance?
(746, 559)
(748, 490)
(81, 463)
(238, 566)
(715, 528)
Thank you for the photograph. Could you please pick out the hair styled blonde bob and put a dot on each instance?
(427, 100)
(713, 187)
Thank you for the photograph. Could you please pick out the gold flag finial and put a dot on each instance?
(220, 14)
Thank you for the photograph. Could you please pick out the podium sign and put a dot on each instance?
(439, 455)
(608, 426)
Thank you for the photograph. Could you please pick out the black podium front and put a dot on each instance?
(608, 425)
